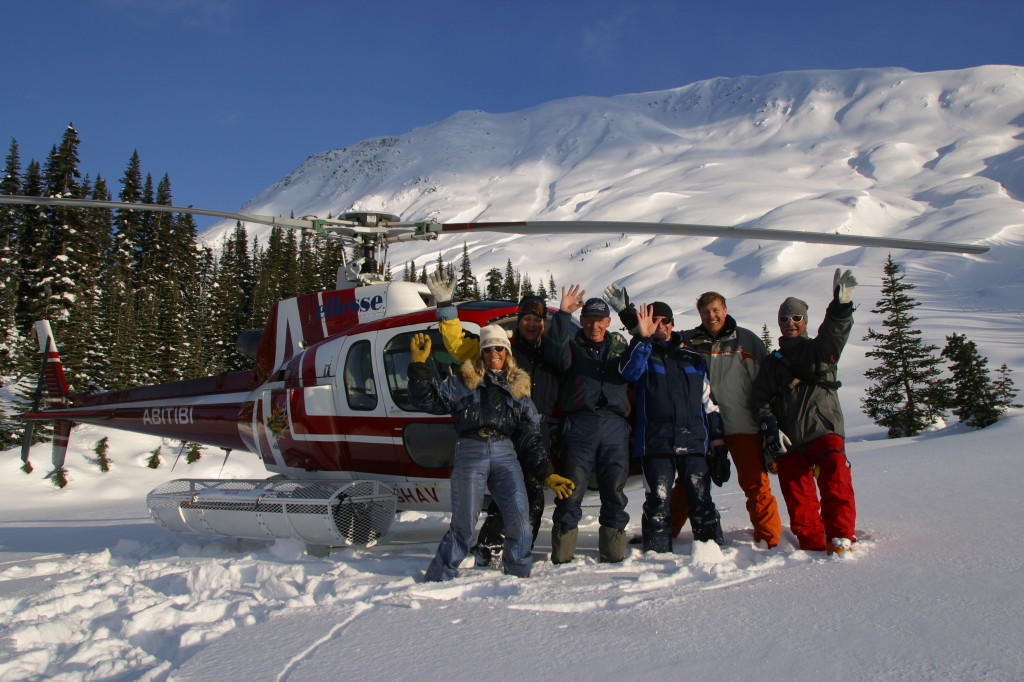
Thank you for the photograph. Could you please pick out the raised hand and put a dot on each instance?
(571, 300)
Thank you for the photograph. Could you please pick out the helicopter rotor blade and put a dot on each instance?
(395, 231)
(530, 227)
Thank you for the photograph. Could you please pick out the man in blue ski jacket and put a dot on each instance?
(677, 425)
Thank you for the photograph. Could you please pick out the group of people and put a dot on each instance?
(681, 401)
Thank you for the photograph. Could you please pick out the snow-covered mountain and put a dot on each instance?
(884, 152)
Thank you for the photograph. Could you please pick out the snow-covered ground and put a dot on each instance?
(90, 589)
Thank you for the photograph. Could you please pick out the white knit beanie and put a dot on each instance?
(494, 335)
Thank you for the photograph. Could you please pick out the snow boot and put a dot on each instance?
(611, 545)
(840, 548)
(563, 545)
(487, 556)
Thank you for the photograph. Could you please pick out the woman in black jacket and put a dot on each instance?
(489, 400)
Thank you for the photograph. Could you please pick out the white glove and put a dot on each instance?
(843, 286)
(442, 289)
(616, 297)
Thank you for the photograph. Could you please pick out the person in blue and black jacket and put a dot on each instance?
(677, 426)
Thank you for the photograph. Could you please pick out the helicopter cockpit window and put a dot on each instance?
(360, 387)
(396, 364)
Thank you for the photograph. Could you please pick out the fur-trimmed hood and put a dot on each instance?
(472, 372)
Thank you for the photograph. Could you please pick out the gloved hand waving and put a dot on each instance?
(562, 486)
(419, 350)
(618, 300)
(843, 286)
(442, 288)
(616, 297)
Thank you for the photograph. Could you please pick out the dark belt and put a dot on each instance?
(486, 434)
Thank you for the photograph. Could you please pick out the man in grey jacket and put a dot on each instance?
(733, 355)
(796, 393)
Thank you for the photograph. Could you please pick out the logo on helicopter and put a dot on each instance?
(336, 306)
(167, 415)
(278, 422)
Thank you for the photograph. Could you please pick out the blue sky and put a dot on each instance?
(228, 96)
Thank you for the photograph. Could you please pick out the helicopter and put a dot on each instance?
(325, 403)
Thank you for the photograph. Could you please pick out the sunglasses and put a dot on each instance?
(532, 308)
(492, 349)
(786, 318)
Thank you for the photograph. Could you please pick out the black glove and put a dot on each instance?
(718, 465)
(771, 443)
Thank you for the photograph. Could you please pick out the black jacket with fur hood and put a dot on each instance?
(477, 398)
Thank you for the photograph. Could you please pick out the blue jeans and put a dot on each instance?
(598, 443)
(478, 466)
(660, 473)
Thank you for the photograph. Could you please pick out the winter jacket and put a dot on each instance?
(591, 381)
(805, 409)
(733, 358)
(477, 398)
(675, 413)
(529, 357)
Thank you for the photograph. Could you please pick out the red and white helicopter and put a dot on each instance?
(324, 404)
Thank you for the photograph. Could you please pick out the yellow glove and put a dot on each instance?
(562, 486)
(419, 351)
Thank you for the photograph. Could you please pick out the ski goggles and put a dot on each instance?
(533, 308)
(786, 318)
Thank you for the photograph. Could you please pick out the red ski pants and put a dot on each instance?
(814, 521)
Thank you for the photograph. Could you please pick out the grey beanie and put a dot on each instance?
(793, 306)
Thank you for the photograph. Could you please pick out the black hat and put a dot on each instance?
(660, 309)
(595, 307)
(533, 305)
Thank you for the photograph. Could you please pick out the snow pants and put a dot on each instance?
(481, 465)
(814, 522)
(599, 443)
(659, 473)
(762, 507)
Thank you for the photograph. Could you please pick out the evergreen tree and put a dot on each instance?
(466, 288)
(154, 461)
(1004, 392)
(766, 338)
(33, 230)
(232, 300)
(905, 395)
(510, 283)
(553, 291)
(85, 360)
(495, 285)
(61, 258)
(10, 266)
(973, 400)
(101, 450)
(193, 453)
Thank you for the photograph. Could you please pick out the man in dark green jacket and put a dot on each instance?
(796, 393)
(595, 432)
